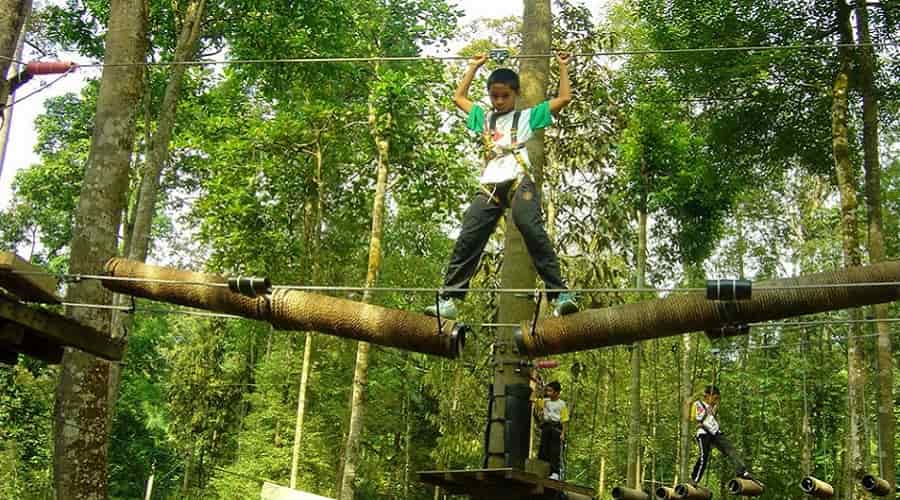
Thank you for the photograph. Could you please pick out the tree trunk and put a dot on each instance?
(139, 236)
(13, 14)
(634, 435)
(301, 408)
(692, 274)
(361, 372)
(80, 426)
(313, 227)
(872, 166)
(159, 148)
(855, 463)
(686, 393)
(805, 427)
(601, 483)
(517, 270)
(6, 93)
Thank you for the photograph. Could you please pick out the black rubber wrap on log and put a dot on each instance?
(291, 309)
(692, 312)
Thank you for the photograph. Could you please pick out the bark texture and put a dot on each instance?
(855, 457)
(13, 14)
(288, 309)
(872, 165)
(772, 300)
(81, 412)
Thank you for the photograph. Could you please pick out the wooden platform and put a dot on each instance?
(504, 483)
(35, 331)
(36, 286)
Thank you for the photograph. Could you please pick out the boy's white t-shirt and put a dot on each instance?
(505, 167)
(553, 411)
(706, 417)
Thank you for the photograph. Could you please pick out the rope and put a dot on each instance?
(608, 53)
(431, 290)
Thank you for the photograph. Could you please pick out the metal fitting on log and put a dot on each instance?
(728, 289)
(250, 286)
(745, 487)
(290, 309)
(688, 492)
(684, 313)
(184, 288)
(876, 485)
(621, 493)
(666, 493)
(816, 487)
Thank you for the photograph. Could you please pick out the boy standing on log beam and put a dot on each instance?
(506, 182)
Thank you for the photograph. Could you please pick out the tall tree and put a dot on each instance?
(857, 444)
(81, 419)
(872, 167)
(138, 240)
(313, 235)
(380, 125)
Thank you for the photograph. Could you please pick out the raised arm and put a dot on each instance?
(461, 96)
(565, 89)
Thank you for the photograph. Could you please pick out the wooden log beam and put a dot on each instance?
(771, 300)
(290, 309)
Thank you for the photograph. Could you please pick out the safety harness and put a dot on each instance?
(493, 151)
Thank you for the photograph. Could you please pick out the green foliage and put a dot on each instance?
(39, 219)
(26, 399)
(729, 153)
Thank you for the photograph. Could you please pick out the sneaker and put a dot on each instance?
(554, 476)
(565, 304)
(447, 309)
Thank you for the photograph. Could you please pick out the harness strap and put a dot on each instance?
(490, 150)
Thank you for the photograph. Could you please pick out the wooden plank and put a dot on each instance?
(9, 357)
(510, 483)
(28, 287)
(61, 330)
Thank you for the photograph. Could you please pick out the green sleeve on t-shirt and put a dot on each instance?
(540, 116)
(475, 121)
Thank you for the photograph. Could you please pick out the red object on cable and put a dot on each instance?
(546, 363)
(49, 67)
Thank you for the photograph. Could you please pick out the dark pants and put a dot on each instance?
(551, 447)
(479, 223)
(705, 442)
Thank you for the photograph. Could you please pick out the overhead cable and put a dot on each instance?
(606, 53)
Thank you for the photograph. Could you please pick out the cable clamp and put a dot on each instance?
(499, 56)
